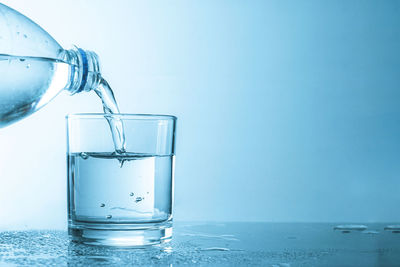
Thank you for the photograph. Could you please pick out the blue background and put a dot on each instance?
(288, 110)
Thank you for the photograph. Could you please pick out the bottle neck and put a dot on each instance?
(85, 72)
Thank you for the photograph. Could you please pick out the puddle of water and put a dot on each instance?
(281, 265)
(370, 232)
(223, 237)
(395, 227)
(102, 259)
(350, 227)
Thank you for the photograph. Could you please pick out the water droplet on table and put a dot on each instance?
(395, 227)
(215, 249)
(167, 250)
(350, 227)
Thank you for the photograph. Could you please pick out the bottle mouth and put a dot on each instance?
(85, 72)
(84, 65)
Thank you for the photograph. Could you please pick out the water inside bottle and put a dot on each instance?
(27, 84)
(43, 79)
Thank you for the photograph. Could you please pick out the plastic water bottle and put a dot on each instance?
(34, 68)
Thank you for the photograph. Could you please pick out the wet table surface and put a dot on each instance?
(217, 244)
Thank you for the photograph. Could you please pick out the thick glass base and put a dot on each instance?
(120, 235)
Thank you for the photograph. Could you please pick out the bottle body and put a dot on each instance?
(34, 68)
(27, 84)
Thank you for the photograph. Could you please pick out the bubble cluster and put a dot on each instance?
(138, 199)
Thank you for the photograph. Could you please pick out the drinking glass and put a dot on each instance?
(120, 198)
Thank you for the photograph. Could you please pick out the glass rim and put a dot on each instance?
(128, 116)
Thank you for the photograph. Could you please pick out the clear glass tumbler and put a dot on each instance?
(120, 198)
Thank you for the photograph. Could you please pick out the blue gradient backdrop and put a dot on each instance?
(288, 110)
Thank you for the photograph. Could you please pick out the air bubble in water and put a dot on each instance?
(138, 199)
(109, 216)
(131, 194)
(102, 205)
(28, 66)
(84, 155)
(121, 162)
(22, 59)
